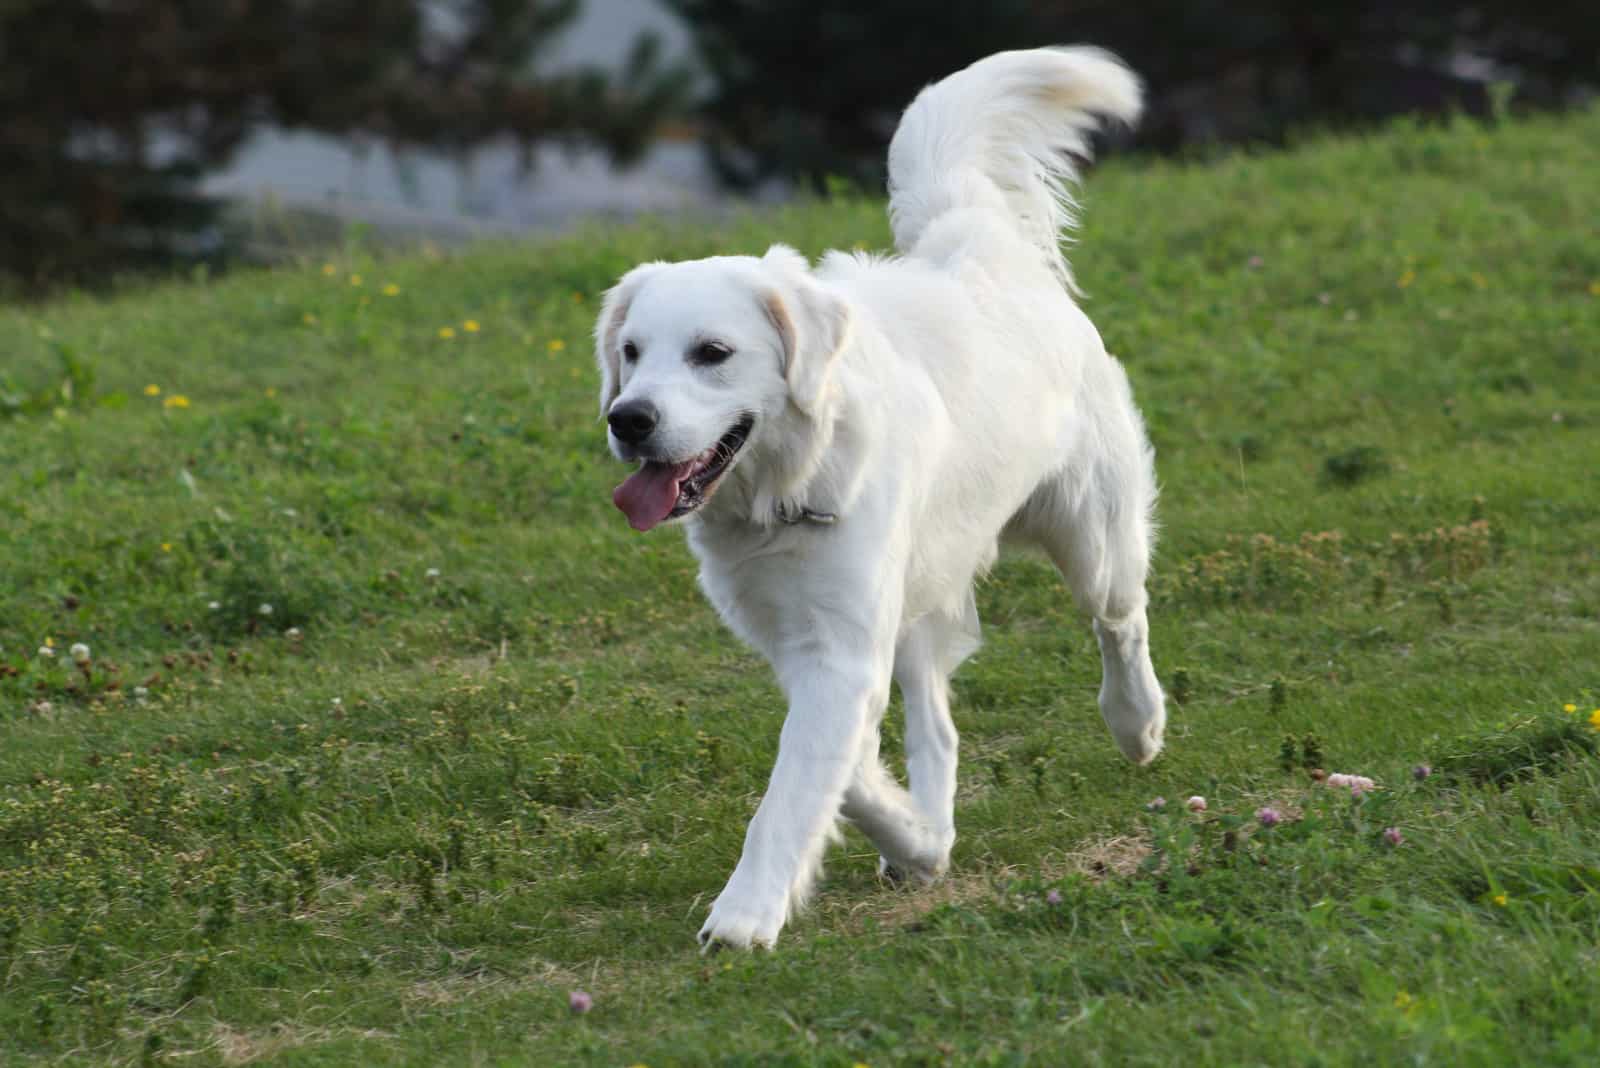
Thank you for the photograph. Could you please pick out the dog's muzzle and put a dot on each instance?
(662, 490)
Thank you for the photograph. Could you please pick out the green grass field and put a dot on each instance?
(392, 734)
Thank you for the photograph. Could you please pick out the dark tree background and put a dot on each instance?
(811, 88)
(814, 87)
(110, 110)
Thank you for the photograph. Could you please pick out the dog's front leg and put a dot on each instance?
(835, 697)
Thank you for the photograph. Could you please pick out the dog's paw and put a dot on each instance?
(1137, 730)
(916, 871)
(741, 921)
(1148, 746)
(902, 874)
(1137, 715)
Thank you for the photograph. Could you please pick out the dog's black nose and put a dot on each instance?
(633, 422)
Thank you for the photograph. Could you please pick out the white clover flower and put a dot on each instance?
(265, 609)
(45, 650)
(141, 692)
(1196, 803)
(431, 574)
(80, 653)
(293, 634)
(215, 606)
(1354, 783)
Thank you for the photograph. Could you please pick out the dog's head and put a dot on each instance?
(702, 363)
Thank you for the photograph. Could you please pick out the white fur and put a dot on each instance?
(934, 402)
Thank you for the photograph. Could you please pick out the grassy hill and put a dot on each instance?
(392, 734)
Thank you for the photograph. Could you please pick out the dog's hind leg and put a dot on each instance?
(1130, 697)
(1097, 531)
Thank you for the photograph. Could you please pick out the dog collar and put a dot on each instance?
(804, 515)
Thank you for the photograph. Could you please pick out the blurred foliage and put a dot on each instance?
(812, 88)
(111, 110)
(815, 88)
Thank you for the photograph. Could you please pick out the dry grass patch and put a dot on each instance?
(234, 1046)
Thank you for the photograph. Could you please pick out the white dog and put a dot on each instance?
(848, 446)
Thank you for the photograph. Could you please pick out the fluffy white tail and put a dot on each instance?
(1002, 137)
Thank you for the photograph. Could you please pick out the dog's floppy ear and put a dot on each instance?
(607, 345)
(812, 322)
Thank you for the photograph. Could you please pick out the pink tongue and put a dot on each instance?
(649, 494)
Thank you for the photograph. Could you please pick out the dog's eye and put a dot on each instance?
(710, 352)
(630, 351)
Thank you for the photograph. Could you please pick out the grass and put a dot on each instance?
(392, 734)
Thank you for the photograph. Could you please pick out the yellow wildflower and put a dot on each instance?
(556, 345)
(152, 390)
(270, 392)
(1594, 288)
(1500, 899)
(1406, 279)
(391, 290)
(329, 270)
(577, 298)
(471, 326)
(1403, 1000)
(309, 319)
(1569, 708)
(49, 642)
(166, 546)
(177, 400)
(1594, 719)
(355, 279)
(447, 332)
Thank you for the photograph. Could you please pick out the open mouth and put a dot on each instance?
(659, 490)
